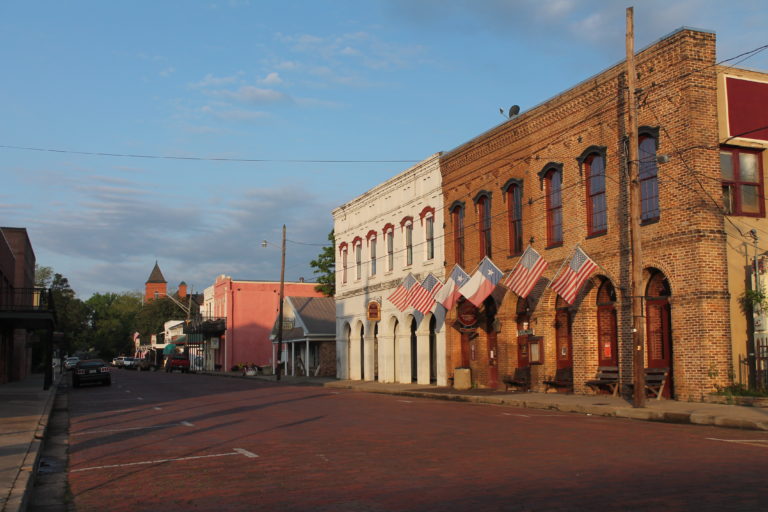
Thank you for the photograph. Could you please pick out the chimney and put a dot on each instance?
(182, 290)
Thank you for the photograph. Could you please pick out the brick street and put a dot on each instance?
(157, 441)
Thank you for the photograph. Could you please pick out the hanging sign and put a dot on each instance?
(374, 311)
(467, 315)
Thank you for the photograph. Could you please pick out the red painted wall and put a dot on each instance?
(251, 308)
(743, 116)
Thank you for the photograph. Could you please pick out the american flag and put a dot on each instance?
(401, 295)
(526, 273)
(449, 294)
(569, 282)
(423, 295)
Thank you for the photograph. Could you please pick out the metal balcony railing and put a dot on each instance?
(26, 299)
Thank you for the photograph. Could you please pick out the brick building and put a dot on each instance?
(555, 177)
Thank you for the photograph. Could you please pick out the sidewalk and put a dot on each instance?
(24, 412)
(670, 411)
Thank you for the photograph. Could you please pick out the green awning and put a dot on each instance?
(169, 349)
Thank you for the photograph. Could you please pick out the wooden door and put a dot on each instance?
(607, 342)
(564, 343)
(493, 354)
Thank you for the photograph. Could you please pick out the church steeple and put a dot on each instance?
(156, 285)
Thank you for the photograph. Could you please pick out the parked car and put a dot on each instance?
(70, 362)
(118, 361)
(178, 362)
(130, 363)
(91, 370)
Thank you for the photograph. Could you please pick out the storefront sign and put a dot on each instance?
(374, 311)
(467, 315)
(525, 332)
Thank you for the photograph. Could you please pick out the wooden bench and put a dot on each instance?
(563, 379)
(607, 378)
(655, 381)
(521, 380)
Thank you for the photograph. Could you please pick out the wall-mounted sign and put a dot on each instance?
(374, 311)
(214, 343)
(525, 332)
(467, 314)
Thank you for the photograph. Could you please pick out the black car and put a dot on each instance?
(91, 370)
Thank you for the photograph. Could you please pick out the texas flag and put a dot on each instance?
(449, 294)
(482, 283)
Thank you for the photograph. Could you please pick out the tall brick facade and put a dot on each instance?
(684, 248)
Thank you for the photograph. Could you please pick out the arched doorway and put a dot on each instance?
(362, 353)
(607, 332)
(492, 336)
(658, 326)
(432, 349)
(523, 328)
(414, 351)
(563, 338)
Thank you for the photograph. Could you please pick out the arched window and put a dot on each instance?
(343, 252)
(649, 179)
(372, 250)
(389, 238)
(483, 206)
(553, 181)
(607, 332)
(457, 221)
(357, 245)
(407, 225)
(428, 221)
(594, 168)
(514, 195)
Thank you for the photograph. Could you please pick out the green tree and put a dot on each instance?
(325, 268)
(43, 276)
(112, 320)
(152, 315)
(71, 313)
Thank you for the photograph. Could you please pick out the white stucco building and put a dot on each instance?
(394, 229)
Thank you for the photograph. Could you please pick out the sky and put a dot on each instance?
(187, 132)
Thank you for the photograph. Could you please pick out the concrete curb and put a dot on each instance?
(21, 490)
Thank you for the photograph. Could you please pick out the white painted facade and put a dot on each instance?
(388, 350)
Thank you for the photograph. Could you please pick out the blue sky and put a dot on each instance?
(369, 85)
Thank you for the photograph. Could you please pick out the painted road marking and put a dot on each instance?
(158, 408)
(406, 401)
(139, 398)
(238, 451)
(510, 414)
(87, 432)
(763, 443)
(127, 390)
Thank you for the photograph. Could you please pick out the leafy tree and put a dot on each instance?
(72, 314)
(153, 315)
(112, 318)
(325, 266)
(43, 276)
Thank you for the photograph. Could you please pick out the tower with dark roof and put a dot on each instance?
(156, 285)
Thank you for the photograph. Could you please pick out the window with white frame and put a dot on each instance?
(372, 248)
(343, 250)
(359, 259)
(429, 235)
(390, 237)
(408, 231)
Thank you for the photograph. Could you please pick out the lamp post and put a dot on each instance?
(280, 308)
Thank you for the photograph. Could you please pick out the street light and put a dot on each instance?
(280, 308)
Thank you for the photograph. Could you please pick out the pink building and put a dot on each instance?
(250, 309)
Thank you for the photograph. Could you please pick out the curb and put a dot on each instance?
(645, 414)
(21, 489)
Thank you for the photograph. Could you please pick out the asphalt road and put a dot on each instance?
(157, 441)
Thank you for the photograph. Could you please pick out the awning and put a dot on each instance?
(180, 340)
(169, 349)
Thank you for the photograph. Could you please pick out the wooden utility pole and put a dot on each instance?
(280, 310)
(638, 319)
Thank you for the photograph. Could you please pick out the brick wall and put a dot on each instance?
(687, 244)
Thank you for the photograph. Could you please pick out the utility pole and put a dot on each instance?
(280, 309)
(638, 319)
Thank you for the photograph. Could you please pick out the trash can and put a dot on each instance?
(462, 378)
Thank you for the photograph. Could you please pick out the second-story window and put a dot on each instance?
(358, 259)
(514, 192)
(372, 247)
(649, 180)
(408, 230)
(429, 235)
(343, 250)
(741, 175)
(597, 221)
(554, 181)
(457, 224)
(484, 223)
(390, 238)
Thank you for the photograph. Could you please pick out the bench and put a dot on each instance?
(607, 378)
(563, 379)
(521, 380)
(655, 381)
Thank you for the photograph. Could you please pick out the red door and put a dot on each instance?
(464, 350)
(659, 336)
(606, 336)
(563, 338)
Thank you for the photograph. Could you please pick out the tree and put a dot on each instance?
(325, 266)
(112, 319)
(152, 316)
(71, 314)
(43, 276)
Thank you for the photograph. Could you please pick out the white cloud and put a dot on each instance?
(251, 94)
(167, 71)
(272, 79)
(210, 80)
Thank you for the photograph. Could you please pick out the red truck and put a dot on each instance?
(178, 362)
